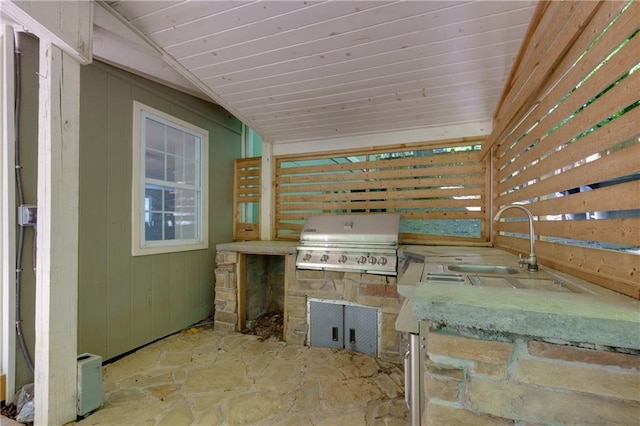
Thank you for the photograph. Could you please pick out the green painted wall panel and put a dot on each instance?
(141, 301)
(119, 115)
(143, 298)
(160, 298)
(177, 293)
(192, 288)
(92, 290)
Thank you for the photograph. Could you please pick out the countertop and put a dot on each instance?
(590, 314)
(260, 247)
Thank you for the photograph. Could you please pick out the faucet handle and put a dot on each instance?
(521, 260)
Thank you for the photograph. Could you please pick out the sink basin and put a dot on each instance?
(483, 269)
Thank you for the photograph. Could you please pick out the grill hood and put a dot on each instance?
(358, 243)
(374, 229)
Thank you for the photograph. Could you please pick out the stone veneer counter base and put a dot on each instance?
(550, 315)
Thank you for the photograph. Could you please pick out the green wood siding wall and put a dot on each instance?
(126, 301)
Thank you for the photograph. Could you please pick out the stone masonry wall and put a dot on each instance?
(226, 291)
(469, 381)
(364, 289)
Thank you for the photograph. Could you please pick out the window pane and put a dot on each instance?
(191, 147)
(154, 134)
(171, 169)
(169, 226)
(169, 200)
(174, 141)
(186, 226)
(154, 165)
(188, 173)
(187, 205)
(153, 199)
(153, 228)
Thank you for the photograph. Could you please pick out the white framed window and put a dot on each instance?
(170, 183)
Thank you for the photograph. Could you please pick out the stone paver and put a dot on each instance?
(217, 377)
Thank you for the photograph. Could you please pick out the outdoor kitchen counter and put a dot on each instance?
(260, 247)
(606, 318)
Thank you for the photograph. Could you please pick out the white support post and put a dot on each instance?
(7, 213)
(266, 200)
(57, 250)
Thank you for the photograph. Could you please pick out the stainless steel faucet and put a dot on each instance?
(532, 260)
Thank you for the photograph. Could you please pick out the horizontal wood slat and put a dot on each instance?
(384, 195)
(388, 184)
(380, 206)
(619, 197)
(469, 169)
(408, 162)
(444, 215)
(616, 231)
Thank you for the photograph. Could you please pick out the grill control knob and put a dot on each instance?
(362, 260)
(324, 258)
(307, 257)
(382, 261)
(342, 259)
(373, 260)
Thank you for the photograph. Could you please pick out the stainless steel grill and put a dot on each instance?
(351, 243)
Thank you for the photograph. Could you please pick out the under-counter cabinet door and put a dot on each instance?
(326, 324)
(361, 329)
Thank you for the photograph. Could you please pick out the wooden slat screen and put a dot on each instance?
(438, 189)
(567, 144)
(246, 199)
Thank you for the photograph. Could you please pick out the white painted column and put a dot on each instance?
(7, 212)
(57, 251)
(266, 199)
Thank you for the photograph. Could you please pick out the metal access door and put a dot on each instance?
(333, 325)
(326, 326)
(361, 329)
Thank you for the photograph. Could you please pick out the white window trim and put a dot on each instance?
(138, 246)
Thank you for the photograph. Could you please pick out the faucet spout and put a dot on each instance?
(532, 261)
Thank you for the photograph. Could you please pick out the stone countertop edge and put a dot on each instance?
(571, 317)
(260, 247)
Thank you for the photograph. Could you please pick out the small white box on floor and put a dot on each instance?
(90, 395)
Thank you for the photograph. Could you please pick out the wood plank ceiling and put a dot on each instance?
(314, 70)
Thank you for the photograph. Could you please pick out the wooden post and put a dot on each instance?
(57, 250)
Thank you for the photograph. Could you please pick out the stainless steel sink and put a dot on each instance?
(483, 269)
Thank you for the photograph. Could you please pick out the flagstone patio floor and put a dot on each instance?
(206, 377)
